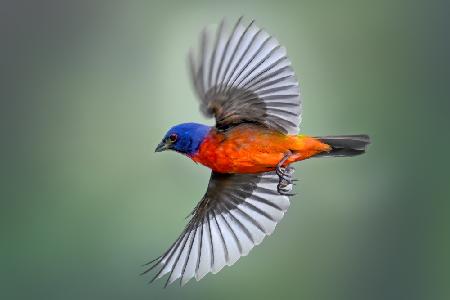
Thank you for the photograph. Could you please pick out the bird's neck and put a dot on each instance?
(196, 139)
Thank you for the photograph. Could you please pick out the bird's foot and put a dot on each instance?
(285, 175)
(286, 180)
(285, 189)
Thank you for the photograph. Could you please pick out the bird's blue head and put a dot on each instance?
(184, 138)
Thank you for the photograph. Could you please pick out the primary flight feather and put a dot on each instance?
(243, 78)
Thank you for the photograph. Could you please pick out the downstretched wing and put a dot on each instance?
(242, 74)
(235, 214)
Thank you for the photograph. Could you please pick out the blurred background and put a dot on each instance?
(88, 88)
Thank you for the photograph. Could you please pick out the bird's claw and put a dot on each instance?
(286, 181)
(284, 189)
(285, 175)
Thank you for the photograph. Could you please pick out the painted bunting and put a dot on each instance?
(244, 79)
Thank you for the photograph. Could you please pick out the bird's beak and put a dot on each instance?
(161, 147)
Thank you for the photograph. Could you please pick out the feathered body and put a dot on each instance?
(250, 148)
(244, 79)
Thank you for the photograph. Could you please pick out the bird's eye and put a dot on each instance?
(173, 138)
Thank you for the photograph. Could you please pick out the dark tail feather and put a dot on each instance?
(344, 145)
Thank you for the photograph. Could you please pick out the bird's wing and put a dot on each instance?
(242, 74)
(235, 214)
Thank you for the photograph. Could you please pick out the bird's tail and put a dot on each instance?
(344, 145)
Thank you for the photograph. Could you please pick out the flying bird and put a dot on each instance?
(243, 78)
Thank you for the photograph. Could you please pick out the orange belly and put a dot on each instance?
(252, 149)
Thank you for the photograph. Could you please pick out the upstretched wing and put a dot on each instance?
(243, 75)
(235, 214)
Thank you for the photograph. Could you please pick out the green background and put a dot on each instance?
(90, 87)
